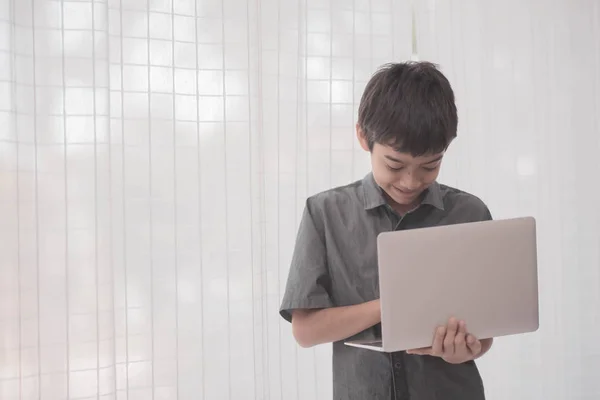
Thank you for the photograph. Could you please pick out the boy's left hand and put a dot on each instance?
(452, 343)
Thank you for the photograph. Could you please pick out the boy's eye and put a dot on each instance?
(394, 169)
(430, 169)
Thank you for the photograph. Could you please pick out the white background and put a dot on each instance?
(155, 157)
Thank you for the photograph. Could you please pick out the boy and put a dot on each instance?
(407, 119)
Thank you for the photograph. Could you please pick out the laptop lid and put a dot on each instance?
(484, 273)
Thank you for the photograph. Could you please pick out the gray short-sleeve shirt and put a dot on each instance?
(335, 264)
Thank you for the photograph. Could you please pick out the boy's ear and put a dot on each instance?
(360, 135)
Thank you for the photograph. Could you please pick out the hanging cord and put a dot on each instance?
(415, 53)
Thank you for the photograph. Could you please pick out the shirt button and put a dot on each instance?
(398, 365)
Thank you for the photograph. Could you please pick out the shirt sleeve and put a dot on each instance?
(487, 215)
(308, 284)
(475, 210)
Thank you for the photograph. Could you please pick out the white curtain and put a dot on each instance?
(155, 156)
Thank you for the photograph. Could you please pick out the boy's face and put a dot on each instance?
(401, 176)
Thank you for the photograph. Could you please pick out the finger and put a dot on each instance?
(474, 345)
(452, 327)
(461, 337)
(418, 349)
(424, 351)
(450, 336)
(437, 349)
(462, 327)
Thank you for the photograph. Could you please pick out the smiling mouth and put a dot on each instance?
(407, 193)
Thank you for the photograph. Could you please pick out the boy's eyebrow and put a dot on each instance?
(402, 162)
(394, 159)
(435, 160)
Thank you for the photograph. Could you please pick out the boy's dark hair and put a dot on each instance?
(409, 106)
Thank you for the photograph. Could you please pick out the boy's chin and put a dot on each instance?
(405, 199)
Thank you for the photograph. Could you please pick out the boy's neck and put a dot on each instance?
(403, 209)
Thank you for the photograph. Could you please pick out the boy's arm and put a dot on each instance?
(313, 327)
(307, 302)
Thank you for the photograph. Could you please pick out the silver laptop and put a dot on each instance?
(484, 273)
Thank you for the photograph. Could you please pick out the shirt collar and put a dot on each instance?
(434, 196)
(373, 194)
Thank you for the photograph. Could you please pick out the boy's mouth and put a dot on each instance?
(406, 192)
